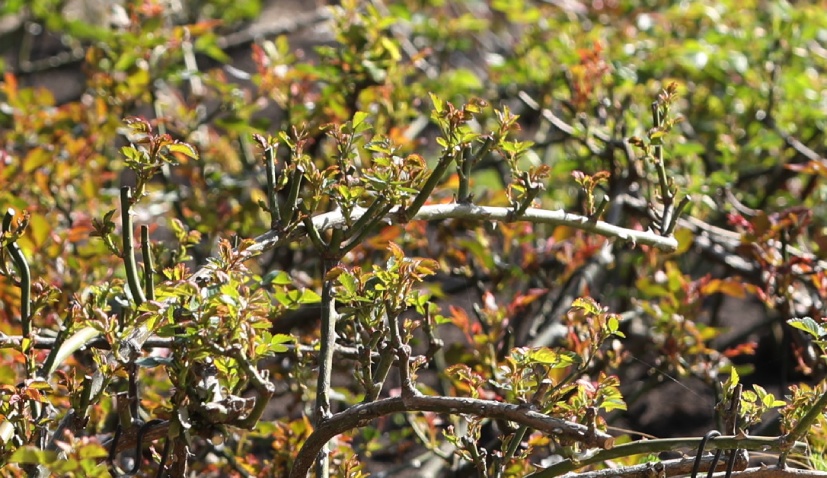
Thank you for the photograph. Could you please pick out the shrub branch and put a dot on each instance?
(335, 219)
(361, 414)
(129, 247)
(665, 468)
(25, 277)
(640, 447)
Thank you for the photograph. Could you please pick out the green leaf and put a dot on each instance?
(32, 455)
(12, 6)
(309, 297)
(349, 282)
(208, 46)
(586, 304)
(72, 344)
(733, 379)
(613, 404)
(277, 278)
(807, 324)
(277, 343)
(463, 80)
(184, 148)
(92, 451)
(359, 124)
(39, 384)
(547, 356)
(612, 324)
(439, 105)
(40, 229)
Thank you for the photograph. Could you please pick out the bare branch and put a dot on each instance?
(335, 220)
(775, 472)
(665, 468)
(668, 444)
(361, 414)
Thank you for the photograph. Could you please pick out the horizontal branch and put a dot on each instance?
(720, 241)
(155, 342)
(775, 472)
(667, 444)
(129, 436)
(360, 415)
(665, 468)
(13, 341)
(433, 212)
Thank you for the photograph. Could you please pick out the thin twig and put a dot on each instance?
(272, 198)
(149, 273)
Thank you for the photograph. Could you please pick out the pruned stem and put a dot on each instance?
(129, 247)
(530, 195)
(379, 376)
(464, 164)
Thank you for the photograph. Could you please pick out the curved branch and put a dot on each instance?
(361, 414)
(25, 276)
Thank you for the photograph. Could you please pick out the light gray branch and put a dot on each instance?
(434, 212)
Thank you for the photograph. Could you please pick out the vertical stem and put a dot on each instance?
(25, 277)
(366, 228)
(403, 355)
(272, 199)
(129, 247)
(328, 342)
(666, 195)
(146, 251)
(380, 375)
(464, 164)
(291, 206)
(22, 266)
(430, 184)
